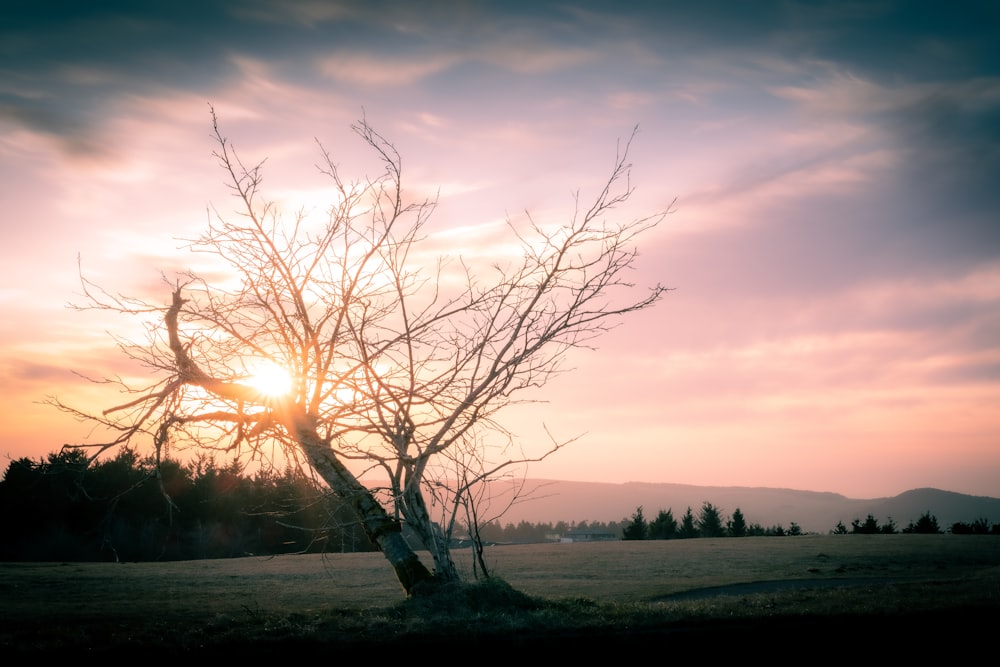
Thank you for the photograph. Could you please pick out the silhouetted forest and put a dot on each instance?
(927, 523)
(127, 508)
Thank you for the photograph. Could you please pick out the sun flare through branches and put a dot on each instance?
(270, 379)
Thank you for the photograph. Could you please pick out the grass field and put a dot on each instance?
(618, 591)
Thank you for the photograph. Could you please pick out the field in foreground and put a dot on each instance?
(896, 591)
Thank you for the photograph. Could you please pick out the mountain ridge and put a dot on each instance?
(547, 500)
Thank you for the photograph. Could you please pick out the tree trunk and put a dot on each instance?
(436, 541)
(383, 530)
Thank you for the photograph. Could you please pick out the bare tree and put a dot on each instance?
(395, 367)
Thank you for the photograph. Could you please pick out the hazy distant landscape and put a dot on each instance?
(551, 500)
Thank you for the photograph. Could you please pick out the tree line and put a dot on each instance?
(926, 524)
(708, 523)
(129, 508)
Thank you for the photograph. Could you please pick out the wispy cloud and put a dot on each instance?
(375, 71)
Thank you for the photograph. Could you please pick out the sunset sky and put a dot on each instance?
(834, 251)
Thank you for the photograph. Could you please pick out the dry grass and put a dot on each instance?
(637, 571)
(615, 590)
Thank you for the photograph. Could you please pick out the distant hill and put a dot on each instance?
(552, 500)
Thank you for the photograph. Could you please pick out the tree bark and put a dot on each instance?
(383, 530)
(436, 541)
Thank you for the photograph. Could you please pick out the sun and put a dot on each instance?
(269, 379)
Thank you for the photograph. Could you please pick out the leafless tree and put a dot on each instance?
(397, 367)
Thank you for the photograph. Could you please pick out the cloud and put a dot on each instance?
(535, 57)
(24, 372)
(946, 138)
(376, 71)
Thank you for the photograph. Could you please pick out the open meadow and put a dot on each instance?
(607, 589)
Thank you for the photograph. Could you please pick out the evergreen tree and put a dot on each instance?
(978, 527)
(688, 527)
(961, 528)
(710, 521)
(737, 525)
(636, 528)
(664, 526)
(869, 527)
(981, 526)
(926, 524)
